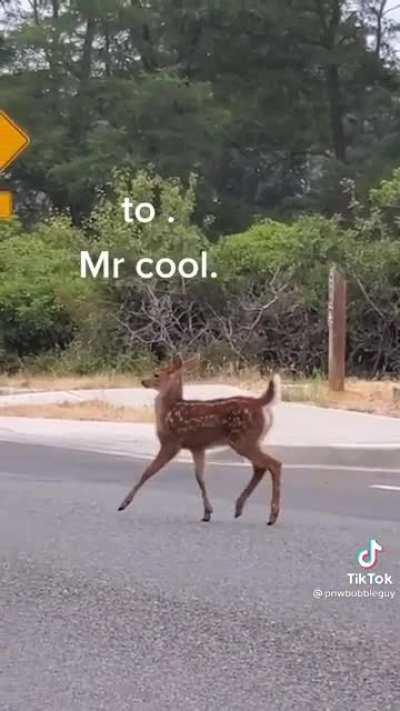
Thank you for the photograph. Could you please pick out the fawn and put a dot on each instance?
(197, 425)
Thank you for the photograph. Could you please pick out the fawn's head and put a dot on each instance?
(169, 377)
(163, 377)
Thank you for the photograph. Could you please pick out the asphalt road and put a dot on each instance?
(152, 610)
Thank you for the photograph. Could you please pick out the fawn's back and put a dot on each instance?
(203, 424)
(199, 424)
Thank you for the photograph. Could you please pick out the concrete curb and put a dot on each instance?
(385, 458)
(143, 446)
(302, 434)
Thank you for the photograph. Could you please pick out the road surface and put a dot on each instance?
(152, 610)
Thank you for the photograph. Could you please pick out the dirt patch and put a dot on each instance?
(47, 383)
(93, 410)
(377, 397)
(381, 397)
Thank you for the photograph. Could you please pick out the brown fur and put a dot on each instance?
(197, 425)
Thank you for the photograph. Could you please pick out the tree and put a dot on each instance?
(272, 104)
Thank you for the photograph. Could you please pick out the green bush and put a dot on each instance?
(268, 306)
(40, 289)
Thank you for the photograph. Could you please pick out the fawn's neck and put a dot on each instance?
(165, 400)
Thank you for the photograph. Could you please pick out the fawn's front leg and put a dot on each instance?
(199, 466)
(166, 453)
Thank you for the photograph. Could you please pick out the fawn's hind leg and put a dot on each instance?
(199, 459)
(261, 462)
(258, 473)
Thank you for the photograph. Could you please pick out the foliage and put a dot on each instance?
(270, 104)
(40, 289)
(170, 198)
(267, 307)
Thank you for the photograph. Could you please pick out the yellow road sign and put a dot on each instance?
(6, 205)
(13, 141)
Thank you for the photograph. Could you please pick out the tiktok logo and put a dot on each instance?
(368, 557)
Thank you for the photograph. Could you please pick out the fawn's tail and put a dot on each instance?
(272, 395)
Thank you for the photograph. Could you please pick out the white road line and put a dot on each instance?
(328, 467)
(386, 487)
(343, 467)
(244, 463)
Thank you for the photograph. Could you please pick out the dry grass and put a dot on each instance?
(360, 395)
(372, 396)
(93, 410)
(363, 396)
(69, 382)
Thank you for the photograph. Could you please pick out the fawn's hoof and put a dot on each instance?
(272, 519)
(238, 510)
(207, 517)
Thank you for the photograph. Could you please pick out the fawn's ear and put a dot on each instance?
(177, 362)
(192, 362)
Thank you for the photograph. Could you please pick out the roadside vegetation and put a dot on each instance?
(93, 410)
(279, 159)
(267, 309)
(379, 396)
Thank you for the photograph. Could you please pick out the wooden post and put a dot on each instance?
(337, 329)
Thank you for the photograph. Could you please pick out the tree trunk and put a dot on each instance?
(107, 55)
(86, 64)
(336, 112)
(55, 5)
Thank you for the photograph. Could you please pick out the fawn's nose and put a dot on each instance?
(145, 383)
